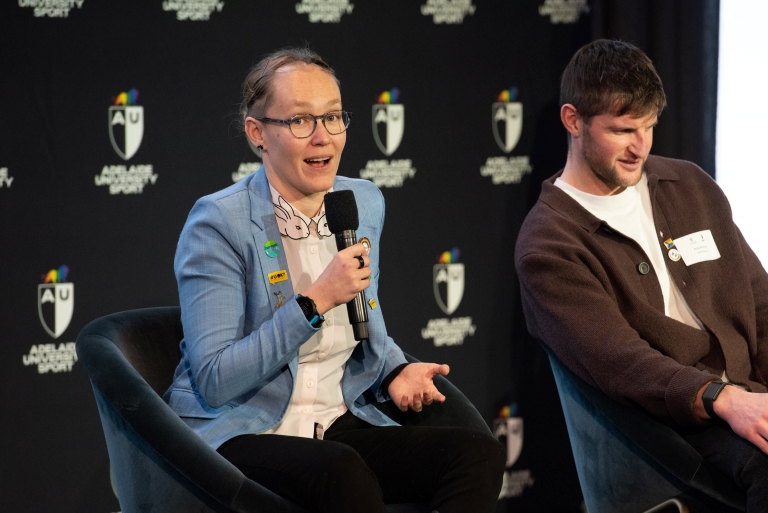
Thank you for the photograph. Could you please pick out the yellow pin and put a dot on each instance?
(277, 276)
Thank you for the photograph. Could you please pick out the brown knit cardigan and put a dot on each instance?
(585, 297)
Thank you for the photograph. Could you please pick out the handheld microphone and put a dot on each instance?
(341, 215)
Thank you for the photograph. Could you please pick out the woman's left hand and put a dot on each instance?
(413, 387)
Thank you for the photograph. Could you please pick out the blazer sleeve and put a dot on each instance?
(212, 271)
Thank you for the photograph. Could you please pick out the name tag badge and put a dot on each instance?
(697, 247)
(277, 276)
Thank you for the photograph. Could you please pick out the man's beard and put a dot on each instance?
(603, 169)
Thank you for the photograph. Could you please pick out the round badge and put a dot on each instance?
(644, 268)
(271, 249)
(367, 243)
(674, 255)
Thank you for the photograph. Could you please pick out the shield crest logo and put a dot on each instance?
(388, 126)
(448, 282)
(55, 305)
(507, 124)
(512, 429)
(126, 129)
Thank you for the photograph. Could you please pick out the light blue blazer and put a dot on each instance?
(240, 349)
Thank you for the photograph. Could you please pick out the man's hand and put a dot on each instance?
(413, 387)
(745, 412)
(342, 280)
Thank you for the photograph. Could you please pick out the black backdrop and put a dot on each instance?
(63, 63)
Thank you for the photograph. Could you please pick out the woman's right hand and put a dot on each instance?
(342, 280)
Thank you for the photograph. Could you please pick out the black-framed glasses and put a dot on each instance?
(304, 125)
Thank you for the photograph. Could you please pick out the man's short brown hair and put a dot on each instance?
(611, 77)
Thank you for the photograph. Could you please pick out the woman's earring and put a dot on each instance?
(260, 147)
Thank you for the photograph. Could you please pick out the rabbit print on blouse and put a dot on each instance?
(293, 225)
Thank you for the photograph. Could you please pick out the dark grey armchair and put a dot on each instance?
(628, 462)
(159, 464)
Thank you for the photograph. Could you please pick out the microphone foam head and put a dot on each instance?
(341, 211)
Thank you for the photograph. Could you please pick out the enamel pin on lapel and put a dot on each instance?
(271, 249)
(277, 276)
(280, 299)
(365, 241)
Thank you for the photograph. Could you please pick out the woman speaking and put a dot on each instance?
(271, 374)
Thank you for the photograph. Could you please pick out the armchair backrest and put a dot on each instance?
(149, 339)
(160, 465)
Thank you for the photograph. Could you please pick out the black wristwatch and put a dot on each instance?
(710, 394)
(310, 310)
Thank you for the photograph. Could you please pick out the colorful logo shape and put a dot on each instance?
(448, 281)
(509, 431)
(271, 249)
(388, 121)
(56, 301)
(126, 124)
(389, 97)
(507, 119)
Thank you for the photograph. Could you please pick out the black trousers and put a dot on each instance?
(737, 458)
(357, 467)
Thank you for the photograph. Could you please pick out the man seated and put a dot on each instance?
(633, 272)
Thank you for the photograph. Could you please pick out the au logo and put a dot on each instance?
(388, 121)
(448, 281)
(56, 301)
(126, 124)
(507, 116)
(512, 429)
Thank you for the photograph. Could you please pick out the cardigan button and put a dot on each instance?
(644, 268)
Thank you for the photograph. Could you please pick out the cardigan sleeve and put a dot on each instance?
(570, 306)
(759, 284)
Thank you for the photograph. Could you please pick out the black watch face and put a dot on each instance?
(306, 306)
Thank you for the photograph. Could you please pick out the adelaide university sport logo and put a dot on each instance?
(56, 301)
(126, 124)
(448, 285)
(55, 305)
(507, 117)
(507, 124)
(508, 430)
(388, 121)
(448, 281)
(126, 131)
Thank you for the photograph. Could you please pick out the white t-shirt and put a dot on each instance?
(630, 213)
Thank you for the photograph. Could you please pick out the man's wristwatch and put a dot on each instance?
(310, 310)
(710, 394)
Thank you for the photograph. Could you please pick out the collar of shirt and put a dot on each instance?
(622, 203)
(295, 225)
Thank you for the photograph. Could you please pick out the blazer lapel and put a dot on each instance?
(265, 229)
